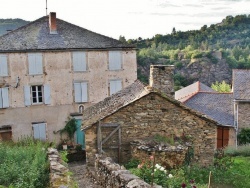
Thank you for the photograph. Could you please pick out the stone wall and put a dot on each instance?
(59, 176)
(109, 174)
(162, 78)
(155, 114)
(244, 115)
(167, 156)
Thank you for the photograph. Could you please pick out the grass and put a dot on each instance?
(242, 150)
(24, 164)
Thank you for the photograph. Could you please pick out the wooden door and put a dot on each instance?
(222, 137)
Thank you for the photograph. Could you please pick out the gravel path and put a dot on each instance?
(79, 174)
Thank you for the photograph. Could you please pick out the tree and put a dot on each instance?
(122, 39)
(221, 87)
(173, 31)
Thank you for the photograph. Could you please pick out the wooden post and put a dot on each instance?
(99, 138)
(153, 170)
(209, 180)
(119, 144)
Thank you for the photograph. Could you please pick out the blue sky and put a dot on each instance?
(130, 18)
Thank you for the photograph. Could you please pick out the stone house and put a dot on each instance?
(139, 112)
(217, 106)
(241, 98)
(51, 69)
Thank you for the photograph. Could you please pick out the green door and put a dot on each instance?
(80, 136)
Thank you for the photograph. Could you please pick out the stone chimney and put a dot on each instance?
(162, 78)
(52, 23)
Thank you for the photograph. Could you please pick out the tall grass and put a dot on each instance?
(242, 150)
(24, 164)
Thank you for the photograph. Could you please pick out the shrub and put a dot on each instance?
(243, 150)
(244, 136)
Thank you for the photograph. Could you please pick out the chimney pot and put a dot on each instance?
(162, 78)
(52, 23)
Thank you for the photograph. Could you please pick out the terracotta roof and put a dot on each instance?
(36, 36)
(187, 92)
(217, 106)
(111, 104)
(241, 84)
(125, 97)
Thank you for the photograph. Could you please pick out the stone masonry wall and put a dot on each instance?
(109, 174)
(162, 78)
(244, 115)
(151, 115)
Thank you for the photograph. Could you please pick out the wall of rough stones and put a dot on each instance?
(155, 114)
(109, 174)
(244, 115)
(59, 176)
(165, 155)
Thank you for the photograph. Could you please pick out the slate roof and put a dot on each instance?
(241, 84)
(185, 93)
(36, 36)
(125, 97)
(111, 104)
(217, 106)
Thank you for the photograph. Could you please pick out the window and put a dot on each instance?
(115, 86)
(39, 131)
(37, 94)
(115, 60)
(35, 63)
(79, 61)
(81, 91)
(3, 65)
(4, 97)
(5, 133)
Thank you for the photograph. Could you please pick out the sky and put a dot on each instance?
(129, 18)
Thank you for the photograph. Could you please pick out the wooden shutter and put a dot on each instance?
(27, 100)
(39, 131)
(84, 87)
(3, 65)
(115, 86)
(78, 92)
(47, 98)
(115, 60)
(5, 97)
(79, 61)
(219, 137)
(39, 63)
(1, 99)
(225, 136)
(35, 63)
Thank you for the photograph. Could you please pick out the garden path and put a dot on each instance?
(78, 168)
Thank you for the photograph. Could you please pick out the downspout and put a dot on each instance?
(236, 115)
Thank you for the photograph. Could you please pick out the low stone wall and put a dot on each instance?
(168, 156)
(59, 176)
(109, 174)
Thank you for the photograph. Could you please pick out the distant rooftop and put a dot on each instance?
(36, 36)
(241, 84)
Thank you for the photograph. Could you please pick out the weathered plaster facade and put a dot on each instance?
(150, 115)
(59, 75)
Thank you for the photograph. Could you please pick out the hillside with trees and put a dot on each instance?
(10, 24)
(207, 55)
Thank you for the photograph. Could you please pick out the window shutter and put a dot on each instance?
(32, 64)
(27, 100)
(115, 86)
(3, 65)
(47, 98)
(84, 87)
(1, 99)
(36, 131)
(39, 63)
(79, 61)
(5, 97)
(115, 60)
(42, 131)
(78, 92)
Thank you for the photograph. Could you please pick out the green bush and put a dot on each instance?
(242, 150)
(24, 164)
(244, 136)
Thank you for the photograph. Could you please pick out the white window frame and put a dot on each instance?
(112, 87)
(115, 60)
(4, 97)
(79, 60)
(81, 91)
(35, 63)
(3, 65)
(37, 97)
(40, 127)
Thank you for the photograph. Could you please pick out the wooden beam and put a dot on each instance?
(111, 134)
(109, 125)
(99, 138)
(119, 145)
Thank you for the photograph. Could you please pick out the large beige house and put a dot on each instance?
(51, 69)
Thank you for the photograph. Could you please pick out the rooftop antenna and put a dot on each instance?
(46, 9)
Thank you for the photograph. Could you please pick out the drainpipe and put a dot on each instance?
(236, 115)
